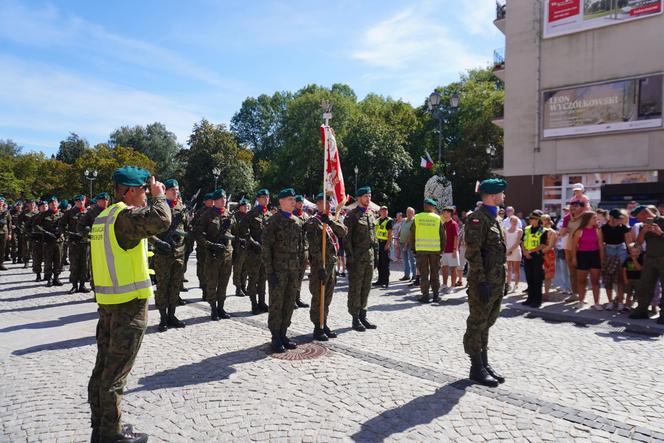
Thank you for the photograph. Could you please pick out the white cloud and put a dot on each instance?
(478, 16)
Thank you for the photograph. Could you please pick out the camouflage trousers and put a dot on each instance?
(360, 273)
(200, 265)
(482, 316)
(53, 254)
(37, 256)
(26, 248)
(15, 246)
(120, 332)
(217, 274)
(428, 266)
(282, 300)
(78, 262)
(256, 277)
(240, 268)
(3, 246)
(169, 270)
(303, 271)
(314, 288)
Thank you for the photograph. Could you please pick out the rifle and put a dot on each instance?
(46, 234)
(75, 236)
(165, 246)
(223, 239)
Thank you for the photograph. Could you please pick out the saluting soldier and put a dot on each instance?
(303, 216)
(79, 245)
(240, 249)
(122, 285)
(283, 255)
(16, 234)
(169, 259)
(486, 256)
(327, 274)
(37, 241)
(48, 223)
(428, 235)
(24, 221)
(361, 248)
(215, 231)
(5, 231)
(254, 223)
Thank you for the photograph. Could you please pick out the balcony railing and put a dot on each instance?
(501, 10)
(499, 58)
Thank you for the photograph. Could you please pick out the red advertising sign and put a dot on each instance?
(560, 9)
(651, 9)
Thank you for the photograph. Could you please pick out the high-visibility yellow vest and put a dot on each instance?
(532, 240)
(119, 275)
(427, 232)
(381, 229)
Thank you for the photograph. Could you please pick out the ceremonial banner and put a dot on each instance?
(334, 178)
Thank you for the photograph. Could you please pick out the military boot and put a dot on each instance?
(74, 288)
(478, 372)
(424, 298)
(47, 279)
(82, 288)
(239, 292)
(127, 435)
(25, 264)
(56, 280)
(14, 260)
(163, 320)
(319, 334)
(357, 325)
(364, 321)
(416, 282)
(38, 277)
(436, 297)
(299, 303)
(489, 369)
(3, 267)
(254, 305)
(173, 321)
(288, 343)
(262, 306)
(277, 345)
(330, 333)
(181, 301)
(221, 312)
(214, 315)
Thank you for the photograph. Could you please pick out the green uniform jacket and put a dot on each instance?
(86, 220)
(177, 238)
(313, 229)
(69, 224)
(283, 244)
(209, 226)
(254, 223)
(5, 222)
(49, 221)
(485, 248)
(360, 243)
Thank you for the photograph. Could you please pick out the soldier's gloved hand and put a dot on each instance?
(217, 247)
(255, 246)
(325, 218)
(162, 247)
(243, 243)
(272, 280)
(322, 275)
(225, 224)
(484, 292)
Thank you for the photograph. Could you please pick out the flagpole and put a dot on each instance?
(327, 115)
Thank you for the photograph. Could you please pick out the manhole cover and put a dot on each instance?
(306, 351)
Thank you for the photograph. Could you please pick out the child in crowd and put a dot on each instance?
(631, 275)
(579, 195)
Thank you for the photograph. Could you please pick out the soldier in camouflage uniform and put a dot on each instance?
(79, 245)
(361, 247)
(169, 259)
(37, 240)
(486, 255)
(254, 223)
(5, 231)
(240, 250)
(303, 216)
(201, 250)
(215, 231)
(121, 326)
(313, 229)
(24, 221)
(48, 224)
(283, 255)
(16, 234)
(63, 207)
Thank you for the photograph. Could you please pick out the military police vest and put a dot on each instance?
(119, 275)
(427, 232)
(381, 229)
(531, 240)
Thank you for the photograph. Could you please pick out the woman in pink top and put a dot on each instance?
(588, 255)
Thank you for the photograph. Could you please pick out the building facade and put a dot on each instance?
(583, 99)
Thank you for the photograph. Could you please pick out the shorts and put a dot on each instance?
(587, 260)
(341, 252)
(450, 259)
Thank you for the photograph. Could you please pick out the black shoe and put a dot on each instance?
(423, 299)
(357, 325)
(262, 307)
(13, 261)
(436, 297)
(38, 277)
(485, 360)
(364, 321)
(526, 303)
(181, 301)
(25, 265)
(300, 304)
(254, 308)
(238, 292)
(376, 284)
(49, 282)
(478, 372)
(416, 282)
(638, 315)
(329, 332)
(183, 289)
(82, 288)
(222, 313)
(404, 278)
(65, 263)
(56, 281)
(342, 274)
(535, 305)
(319, 334)
(214, 314)
(288, 343)
(277, 345)
(163, 322)
(173, 321)
(385, 286)
(126, 436)
(74, 289)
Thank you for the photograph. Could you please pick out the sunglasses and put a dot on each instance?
(146, 188)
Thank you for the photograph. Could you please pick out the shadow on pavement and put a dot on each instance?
(419, 411)
(65, 344)
(29, 296)
(619, 336)
(53, 305)
(62, 321)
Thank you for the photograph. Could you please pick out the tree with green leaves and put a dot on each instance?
(71, 148)
(10, 148)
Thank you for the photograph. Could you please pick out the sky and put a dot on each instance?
(91, 67)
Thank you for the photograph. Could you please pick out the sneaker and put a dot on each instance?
(597, 307)
(571, 298)
(621, 307)
(579, 305)
(609, 306)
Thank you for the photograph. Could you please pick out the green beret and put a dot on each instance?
(363, 190)
(208, 196)
(430, 201)
(299, 198)
(638, 209)
(262, 192)
(286, 192)
(30, 200)
(319, 197)
(52, 198)
(103, 196)
(63, 204)
(78, 197)
(131, 176)
(171, 183)
(93, 201)
(18, 202)
(219, 193)
(493, 186)
(42, 202)
(2, 198)
(243, 202)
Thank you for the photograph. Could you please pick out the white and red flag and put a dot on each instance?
(426, 163)
(334, 178)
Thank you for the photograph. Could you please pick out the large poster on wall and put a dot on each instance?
(604, 107)
(567, 16)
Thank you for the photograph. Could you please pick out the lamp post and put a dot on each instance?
(90, 175)
(356, 170)
(216, 172)
(436, 110)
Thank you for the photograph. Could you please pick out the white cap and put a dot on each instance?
(578, 187)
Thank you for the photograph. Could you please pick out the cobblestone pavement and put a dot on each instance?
(568, 378)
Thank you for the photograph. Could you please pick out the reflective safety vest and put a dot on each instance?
(427, 232)
(119, 275)
(381, 229)
(532, 240)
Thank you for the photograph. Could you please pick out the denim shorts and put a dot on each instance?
(619, 251)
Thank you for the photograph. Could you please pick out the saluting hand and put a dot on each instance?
(156, 188)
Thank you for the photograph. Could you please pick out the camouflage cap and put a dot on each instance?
(131, 176)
